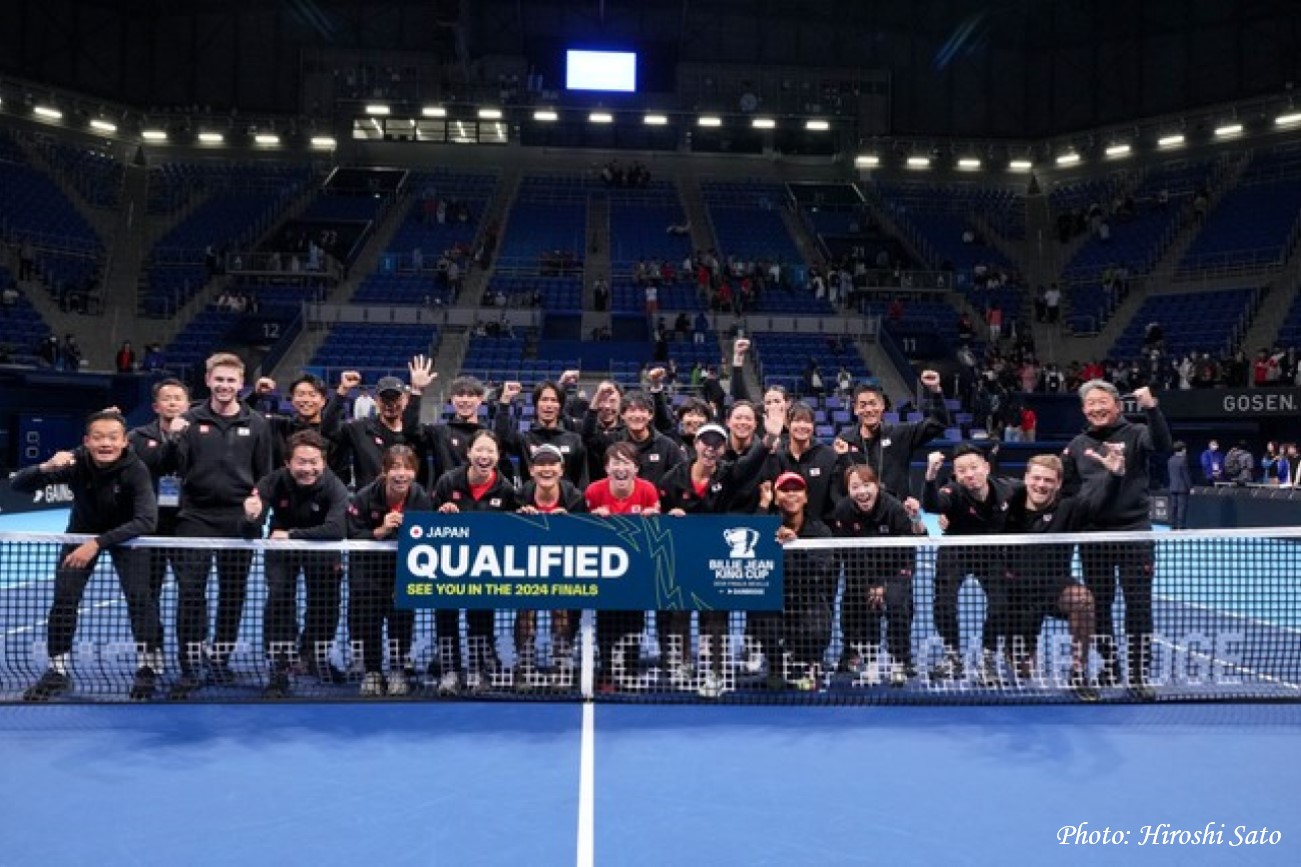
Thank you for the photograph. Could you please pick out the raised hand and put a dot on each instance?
(264, 385)
(421, 371)
(348, 380)
(58, 461)
(931, 379)
(510, 391)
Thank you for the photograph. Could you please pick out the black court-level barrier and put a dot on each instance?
(1200, 615)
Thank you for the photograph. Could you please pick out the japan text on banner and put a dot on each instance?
(701, 562)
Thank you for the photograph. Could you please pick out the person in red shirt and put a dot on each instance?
(1028, 423)
(621, 492)
(547, 493)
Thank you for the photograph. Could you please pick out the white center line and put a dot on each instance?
(586, 789)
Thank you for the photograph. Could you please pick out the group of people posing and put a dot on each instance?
(218, 469)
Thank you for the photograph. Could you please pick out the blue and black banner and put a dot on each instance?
(701, 562)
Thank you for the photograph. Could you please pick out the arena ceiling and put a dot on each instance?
(1006, 69)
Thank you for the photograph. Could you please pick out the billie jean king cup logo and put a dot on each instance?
(742, 541)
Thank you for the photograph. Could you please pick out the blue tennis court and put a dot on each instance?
(432, 783)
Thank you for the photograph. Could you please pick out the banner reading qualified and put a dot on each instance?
(701, 562)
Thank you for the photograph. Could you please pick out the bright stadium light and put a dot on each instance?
(1228, 129)
(763, 123)
(1170, 141)
(546, 115)
(600, 117)
(710, 120)
(1020, 165)
(1290, 119)
(656, 120)
(919, 162)
(969, 163)
(434, 111)
(154, 135)
(490, 114)
(1118, 150)
(867, 161)
(211, 137)
(267, 138)
(323, 141)
(817, 125)
(103, 126)
(377, 109)
(48, 113)
(1069, 159)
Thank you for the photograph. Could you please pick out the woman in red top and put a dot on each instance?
(621, 492)
(475, 487)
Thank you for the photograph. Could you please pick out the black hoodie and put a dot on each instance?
(1127, 509)
(115, 502)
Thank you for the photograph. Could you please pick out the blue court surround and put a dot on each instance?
(488, 784)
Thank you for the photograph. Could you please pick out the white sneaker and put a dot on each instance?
(399, 682)
(449, 683)
(753, 662)
(680, 676)
(372, 685)
(711, 686)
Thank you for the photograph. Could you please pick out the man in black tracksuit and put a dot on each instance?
(1039, 577)
(1127, 510)
(547, 429)
(222, 449)
(114, 500)
(656, 453)
(888, 448)
(306, 502)
(363, 442)
(152, 444)
(974, 504)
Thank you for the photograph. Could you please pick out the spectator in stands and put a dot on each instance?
(1239, 465)
(70, 354)
(1153, 337)
(700, 329)
(966, 329)
(1052, 304)
(1287, 472)
(1212, 461)
(363, 407)
(125, 360)
(1181, 485)
(113, 500)
(1267, 462)
(8, 298)
(994, 319)
(26, 261)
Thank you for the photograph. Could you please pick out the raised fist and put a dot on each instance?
(265, 385)
(253, 506)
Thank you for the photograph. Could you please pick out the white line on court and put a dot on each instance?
(586, 789)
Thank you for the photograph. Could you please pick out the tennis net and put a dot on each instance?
(1202, 615)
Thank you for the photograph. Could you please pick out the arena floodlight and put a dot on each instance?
(1290, 119)
(763, 123)
(323, 141)
(103, 126)
(1020, 165)
(154, 135)
(710, 120)
(266, 138)
(211, 137)
(1068, 159)
(377, 110)
(434, 111)
(867, 161)
(656, 120)
(1118, 150)
(546, 115)
(817, 125)
(1170, 141)
(490, 114)
(600, 117)
(919, 162)
(48, 113)
(1228, 129)
(969, 163)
